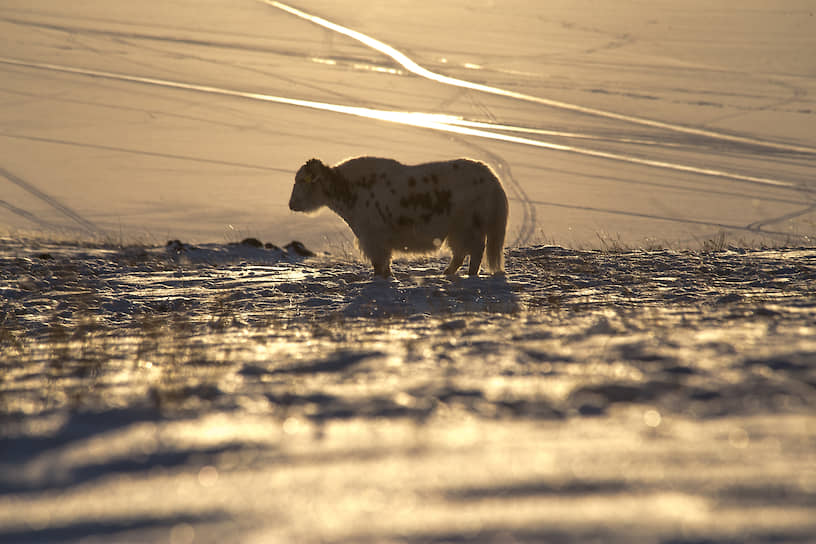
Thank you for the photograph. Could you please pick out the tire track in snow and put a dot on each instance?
(528, 210)
(125, 37)
(410, 65)
(759, 225)
(433, 121)
(51, 201)
(143, 153)
(122, 36)
(753, 227)
(25, 214)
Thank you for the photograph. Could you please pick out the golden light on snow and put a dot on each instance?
(208, 476)
(208, 391)
(294, 425)
(319, 60)
(739, 438)
(652, 418)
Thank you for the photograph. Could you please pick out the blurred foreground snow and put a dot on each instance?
(235, 393)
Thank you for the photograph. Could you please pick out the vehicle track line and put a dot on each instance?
(142, 152)
(754, 227)
(51, 201)
(410, 65)
(434, 121)
(759, 225)
(26, 215)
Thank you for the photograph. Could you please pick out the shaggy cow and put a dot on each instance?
(395, 207)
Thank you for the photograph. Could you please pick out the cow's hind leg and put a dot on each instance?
(459, 249)
(456, 262)
(381, 261)
(474, 242)
(476, 250)
(382, 269)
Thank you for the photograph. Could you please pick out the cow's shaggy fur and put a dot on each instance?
(392, 207)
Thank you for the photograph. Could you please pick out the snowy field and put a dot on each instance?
(232, 393)
(646, 371)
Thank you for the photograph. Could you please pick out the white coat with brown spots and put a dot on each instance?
(392, 207)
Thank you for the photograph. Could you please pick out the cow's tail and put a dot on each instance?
(497, 227)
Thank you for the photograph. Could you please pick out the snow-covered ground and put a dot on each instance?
(644, 373)
(234, 393)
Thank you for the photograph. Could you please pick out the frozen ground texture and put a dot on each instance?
(645, 122)
(232, 393)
